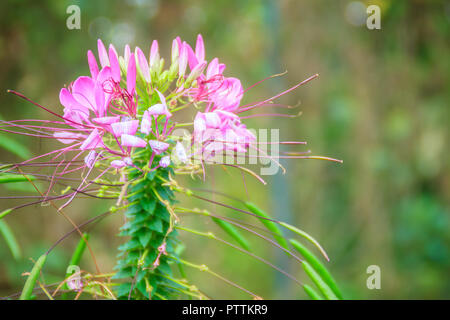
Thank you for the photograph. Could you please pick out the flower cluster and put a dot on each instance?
(126, 104)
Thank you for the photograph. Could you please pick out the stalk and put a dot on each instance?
(143, 260)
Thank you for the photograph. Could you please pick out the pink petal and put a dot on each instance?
(132, 141)
(127, 54)
(90, 159)
(114, 61)
(93, 141)
(102, 54)
(68, 101)
(213, 68)
(192, 58)
(106, 120)
(131, 75)
(143, 64)
(158, 147)
(183, 59)
(118, 164)
(125, 127)
(200, 49)
(93, 67)
(164, 162)
(83, 90)
(154, 52)
(146, 123)
(67, 137)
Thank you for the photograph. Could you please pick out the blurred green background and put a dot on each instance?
(381, 104)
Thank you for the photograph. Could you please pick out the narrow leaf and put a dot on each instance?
(318, 281)
(318, 266)
(270, 225)
(232, 232)
(8, 178)
(10, 239)
(311, 292)
(32, 278)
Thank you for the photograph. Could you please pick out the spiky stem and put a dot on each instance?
(144, 262)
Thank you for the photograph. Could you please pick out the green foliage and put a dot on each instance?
(10, 239)
(32, 278)
(317, 266)
(270, 225)
(144, 263)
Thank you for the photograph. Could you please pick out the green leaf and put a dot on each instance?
(232, 232)
(144, 237)
(318, 266)
(311, 292)
(9, 178)
(78, 253)
(14, 147)
(32, 278)
(10, 239)
(270, 225)
(318, 281)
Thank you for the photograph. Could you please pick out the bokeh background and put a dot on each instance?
(381, 104)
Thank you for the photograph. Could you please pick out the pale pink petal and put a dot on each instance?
(146, 123)
(132, 141)
(106, 120)
(90, 159)
(125, 127)
(154, 53)
(158, 147)
(126, 55)
(164, 162)
(213, 68)
(183, 60)
(118, 164)
(67, 137)
(93, 141)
